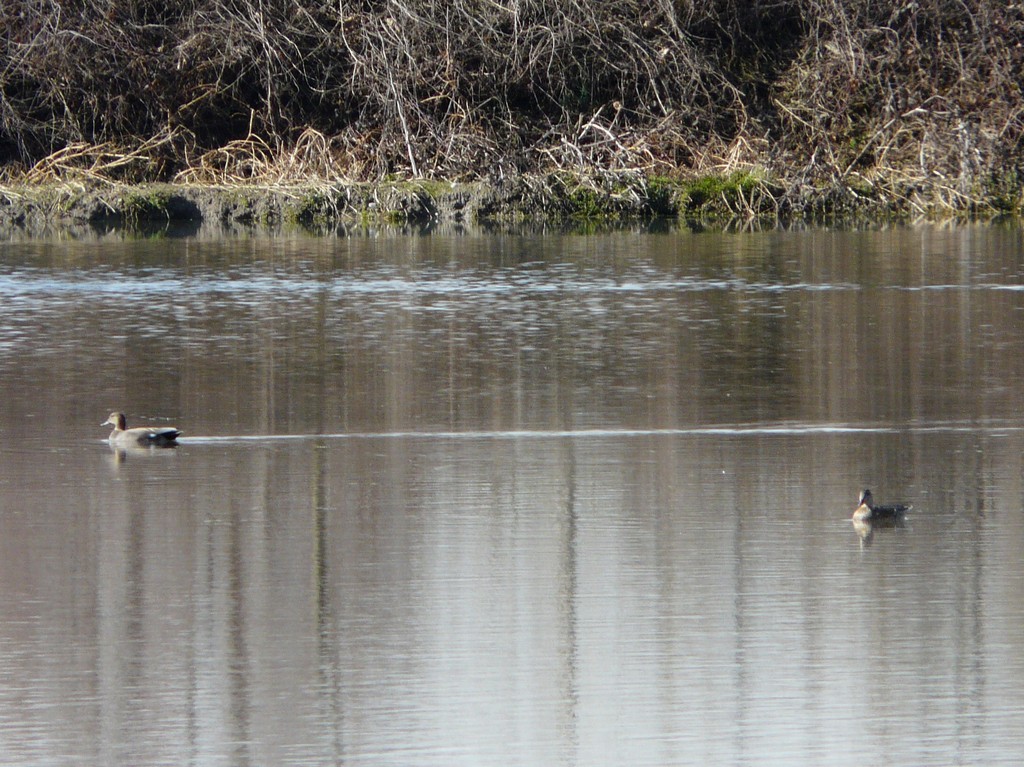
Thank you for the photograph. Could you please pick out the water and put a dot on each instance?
(519, 500)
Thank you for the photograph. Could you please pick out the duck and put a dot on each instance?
(867, 511)
(154, 436)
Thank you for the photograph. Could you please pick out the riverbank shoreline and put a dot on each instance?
(327, 115)
(555, 198)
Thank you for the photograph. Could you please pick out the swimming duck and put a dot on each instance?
(159, 436)
(867, 511)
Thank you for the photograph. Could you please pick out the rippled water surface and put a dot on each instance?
(520, 500)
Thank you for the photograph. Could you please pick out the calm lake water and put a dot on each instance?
(465, 499)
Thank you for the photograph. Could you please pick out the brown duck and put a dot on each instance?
(868, 511)
(157, 436)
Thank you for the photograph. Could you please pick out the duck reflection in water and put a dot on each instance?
(868, 516)
(121, 453)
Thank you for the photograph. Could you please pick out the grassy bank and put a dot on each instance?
(782, 108)
(553, 198)
(741, 199)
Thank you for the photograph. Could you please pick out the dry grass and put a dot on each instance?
(253, 160)
(912, 105)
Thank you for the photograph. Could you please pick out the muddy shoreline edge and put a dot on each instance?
(32, 210)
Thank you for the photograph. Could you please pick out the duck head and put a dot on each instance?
(116, 420)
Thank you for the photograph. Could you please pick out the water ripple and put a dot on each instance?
(739, 430)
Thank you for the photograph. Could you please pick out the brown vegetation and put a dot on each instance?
(910, 105)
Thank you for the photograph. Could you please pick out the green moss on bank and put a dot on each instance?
(563, 198)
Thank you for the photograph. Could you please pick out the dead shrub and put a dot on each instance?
(850, 94)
